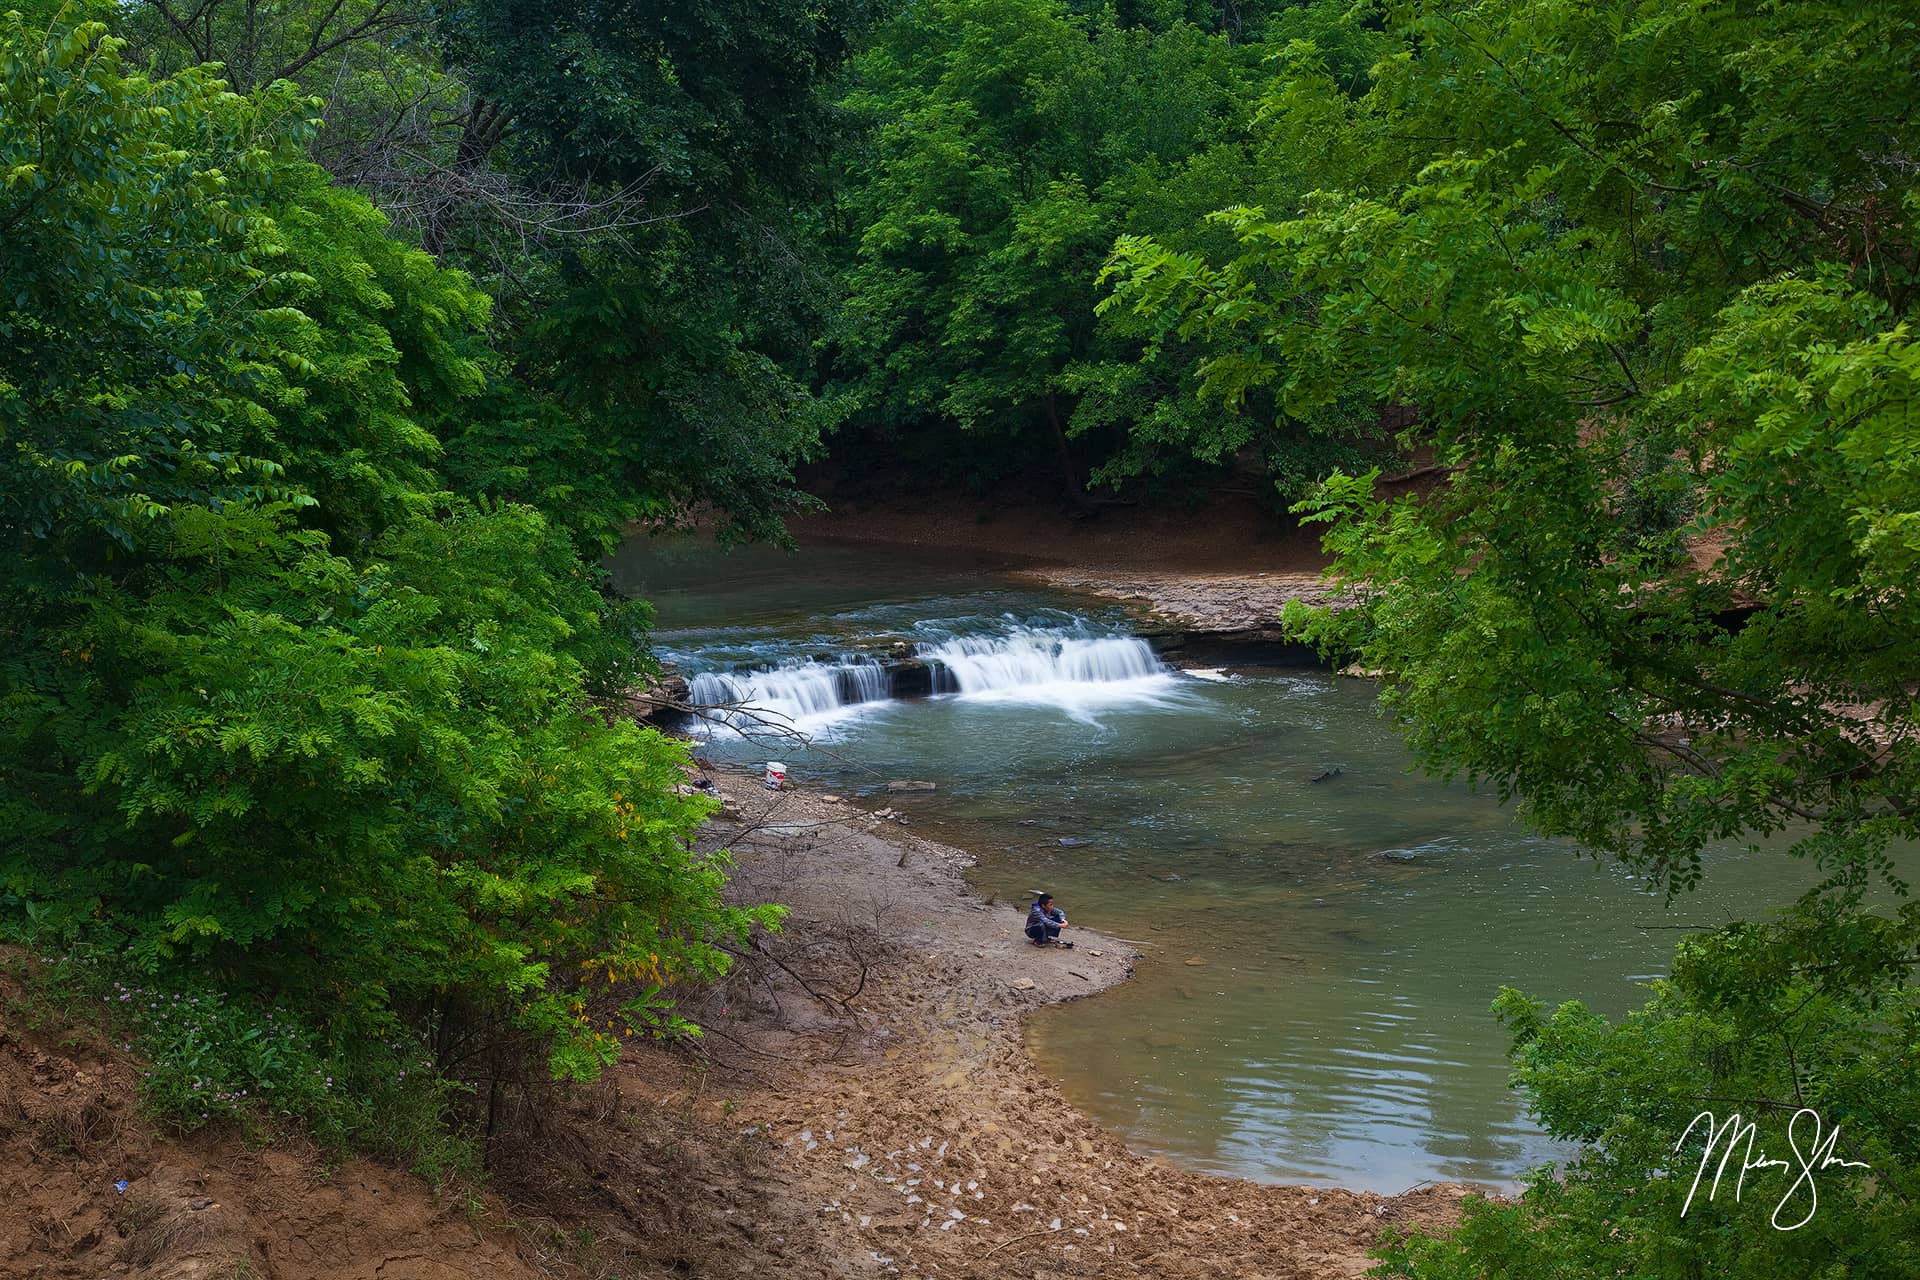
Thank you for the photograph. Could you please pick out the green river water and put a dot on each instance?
(1320, 956)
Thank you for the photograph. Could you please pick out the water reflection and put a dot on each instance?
(1323, 930)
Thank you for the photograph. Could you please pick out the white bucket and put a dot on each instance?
(776, 775)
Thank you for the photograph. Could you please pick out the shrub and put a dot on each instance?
(211, 1058)
(287, 728)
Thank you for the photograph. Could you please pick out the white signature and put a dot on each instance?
(1816, 1156)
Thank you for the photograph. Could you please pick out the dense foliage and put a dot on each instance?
(1002, 146)
(309, 433)
(278, 706)
(1642, 280)
(677, 324)
(633, 185)
(1662, 373)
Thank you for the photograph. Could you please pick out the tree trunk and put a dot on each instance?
(1230, 24)
(480, 133)
(1070, 478)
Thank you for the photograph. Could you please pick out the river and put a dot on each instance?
(1324, 928)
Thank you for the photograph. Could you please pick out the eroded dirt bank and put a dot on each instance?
(863, 1106)
(88, 1189)
(1231, 533)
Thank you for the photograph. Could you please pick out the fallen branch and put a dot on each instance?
(1420, 473)
(829, 1001)
(1010, 1240)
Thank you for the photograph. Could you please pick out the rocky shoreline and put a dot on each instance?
(860, 1104)
(1204, 617)
(877, 1060)
(904, 1105)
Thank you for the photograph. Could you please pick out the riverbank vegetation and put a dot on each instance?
(1643, 279)
(301, 651)
(338, 342)
(998, 151)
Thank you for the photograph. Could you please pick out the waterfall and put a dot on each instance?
(790, 695)
(1033, 657)
(1072, 668)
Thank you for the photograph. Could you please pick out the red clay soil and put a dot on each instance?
(205, 1206)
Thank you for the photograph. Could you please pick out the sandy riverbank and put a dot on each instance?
(874, 1054)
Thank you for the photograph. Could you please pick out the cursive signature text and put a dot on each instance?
(1727, 1137)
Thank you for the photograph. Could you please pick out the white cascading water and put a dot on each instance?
(1073, 670)
(1030, 658)
(784, 696)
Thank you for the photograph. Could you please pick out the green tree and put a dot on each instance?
(1004, 144)
(680, 328)
(275, 704)
(1757, 1022)
(630, 183)
(1577, 329)
(1642, 281)
(1156, 404)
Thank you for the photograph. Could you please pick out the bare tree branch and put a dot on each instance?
(380, 19)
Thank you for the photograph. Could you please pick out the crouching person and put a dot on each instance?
(1044, 921)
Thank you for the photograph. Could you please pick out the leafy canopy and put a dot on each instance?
(1652, 315)
(276, 703)
(1642, 282)
(1001, 146)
